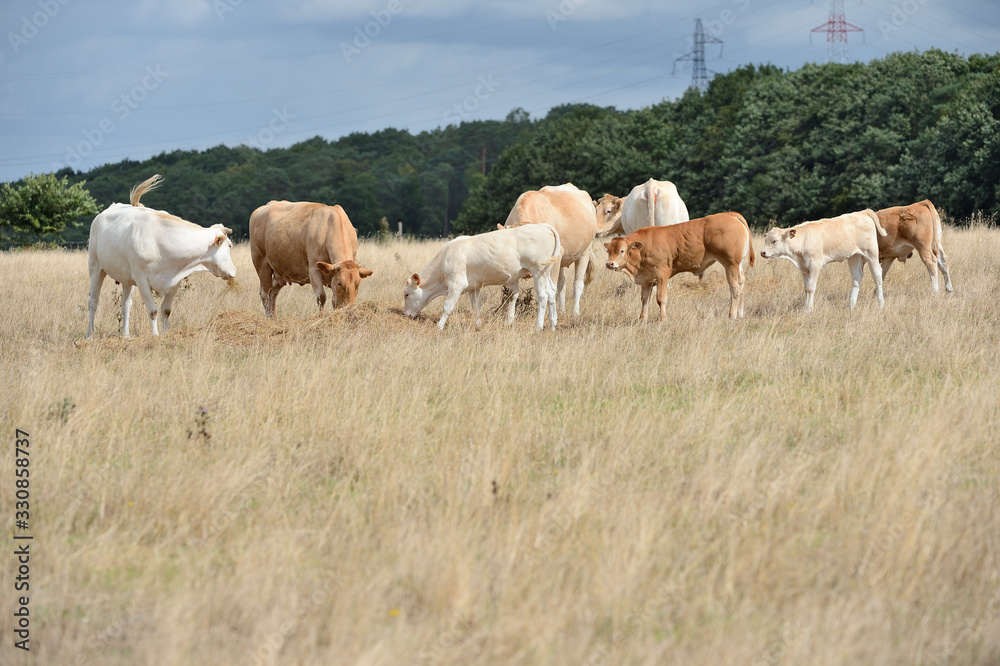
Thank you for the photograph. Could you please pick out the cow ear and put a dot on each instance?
(791, 234)
(607, 246)
(365, 272)
(636, 245)
(325, 268)
(220, 239)
(415, 279)
(227, 230)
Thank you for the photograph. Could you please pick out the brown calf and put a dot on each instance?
(652, 255)
(913, 228)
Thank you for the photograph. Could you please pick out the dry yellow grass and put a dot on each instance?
(365, 489)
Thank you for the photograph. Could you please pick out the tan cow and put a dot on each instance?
(909, 229)
(571, 211)
(609, 215)
(852, 237)
(652, 255)
(305, 243)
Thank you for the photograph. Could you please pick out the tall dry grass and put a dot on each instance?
(359, 488)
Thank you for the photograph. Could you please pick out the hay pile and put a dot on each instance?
(245, 327)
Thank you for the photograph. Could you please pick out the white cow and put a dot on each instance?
(152, 250)
(852, 237)
(655, 203)
(469, 263)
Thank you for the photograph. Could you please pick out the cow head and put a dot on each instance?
(218, 259)
(413, 297)
(621, 253)
(609, 215)
(776, 243)
(345, 278)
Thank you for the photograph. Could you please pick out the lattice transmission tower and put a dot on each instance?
(836, 29)
(699, 73)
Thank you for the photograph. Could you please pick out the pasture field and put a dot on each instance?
(359, 488)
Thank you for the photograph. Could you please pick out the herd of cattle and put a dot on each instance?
(548, 231)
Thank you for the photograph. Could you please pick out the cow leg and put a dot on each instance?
(743, 282)
(268, 291)
(942, 262)
(553, 316)
(886, 265)
(647, 289)
(810, 276)
(451, 300)
(97, 276)
(560, 289)
(514, 288)
(735, 290)
(582, 264)
(876, 270)
(546, 291)
(542, 292)
(857, 266)
(147, 298)
(927, 257)
(661, 299)
(165, 306)
(316, 280)
(477, 306)
(127, 291)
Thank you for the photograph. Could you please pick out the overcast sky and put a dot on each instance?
(84, 85)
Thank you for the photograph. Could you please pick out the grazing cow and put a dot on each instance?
(305, 243)
(609, 215)
(571, 211)
(469, 263)
(652, 255)
(916, 227)
(152, 250)
(852, 237)
(655, 203)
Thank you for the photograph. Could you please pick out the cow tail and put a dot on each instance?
(651, 204)
(749, 236)
(937, 226)
(556, 252)
(588, 276)
(878, 225)
(150, 183)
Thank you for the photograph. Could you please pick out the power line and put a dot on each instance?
(836, 29)
(699, 74)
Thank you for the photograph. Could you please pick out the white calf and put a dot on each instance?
(852, 237)
(469, 263)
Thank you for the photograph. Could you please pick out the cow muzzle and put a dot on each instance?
(763, 254)
(611, 265)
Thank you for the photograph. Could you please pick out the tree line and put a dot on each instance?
(780, 146)
(776, 145)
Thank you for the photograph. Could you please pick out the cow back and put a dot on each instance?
(293, 236)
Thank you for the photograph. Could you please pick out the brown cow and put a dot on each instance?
(909, 229)
(652, 255)
(305, 243)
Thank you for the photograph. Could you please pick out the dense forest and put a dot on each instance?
(422, 180)
(785, 146)
(772, 144)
